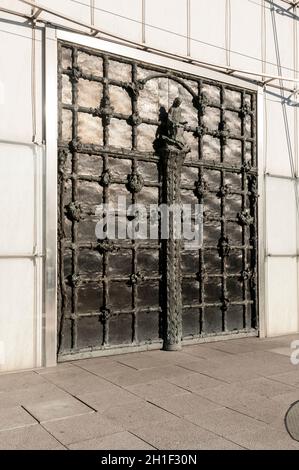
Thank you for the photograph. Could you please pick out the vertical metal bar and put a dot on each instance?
(263, 38)
(227, 31)
(75, 223)
(105, 266)
(143, 21)
(106, 102)
(37, 221)
(201, 251)
(188, 27)
(134, 268)
(62, 294)
(254, 227)
(92, 8)
(134, 108)
(38, 153)
(222, 215)
(50, 320)
(105, 254)
(244, 197)
(173, 160)
(296, 138)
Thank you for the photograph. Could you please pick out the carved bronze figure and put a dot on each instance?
(175, 126)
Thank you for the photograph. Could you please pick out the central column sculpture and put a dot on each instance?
(172, 150)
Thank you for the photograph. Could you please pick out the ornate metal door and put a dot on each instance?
(118, 293)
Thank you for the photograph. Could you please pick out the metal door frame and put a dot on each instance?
(51, 117)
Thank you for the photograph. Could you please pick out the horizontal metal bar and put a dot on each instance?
(280, 255)
(213, 337)
(22, 143)
(100, 279)
(16, 13)
(216, 304)
(109, 351)
(22, 255)
(116, 313)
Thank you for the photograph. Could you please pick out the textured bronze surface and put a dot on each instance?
(112, 293)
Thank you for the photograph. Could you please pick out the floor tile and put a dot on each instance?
(234, 397)
(265, 439)
(80, 428)
(131, 416)
(103, 367)
(266, 387)
(58, 368)
(285, 351)
(15, 417)
(56, 409)
(147, 375)
(19, 381)
(107, 398)
(155, 389)
(194, 382)
(34, 394)
(28, 438)
(118, 441)
(185, 404)
(225, 422)
(77, 381)
(289, 378)
(204, 352)
(179, 434)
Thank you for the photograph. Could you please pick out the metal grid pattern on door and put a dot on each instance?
(111, 291)
(219, 283)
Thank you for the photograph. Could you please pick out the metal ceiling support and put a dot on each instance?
(36, 14)
(292, 5)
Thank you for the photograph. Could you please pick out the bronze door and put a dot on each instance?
(112, 292)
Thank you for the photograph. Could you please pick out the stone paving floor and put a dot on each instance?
(223, 395)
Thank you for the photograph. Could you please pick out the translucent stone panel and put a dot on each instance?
(66, 128)
(120, 100)
(232, 99)
(67, 92)
(66, 58)
(120, 134)
(146, 137)
(153, 94)
(89, 93)
(90, 64)
(119, 168)
(120, 71)
(90, 130)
